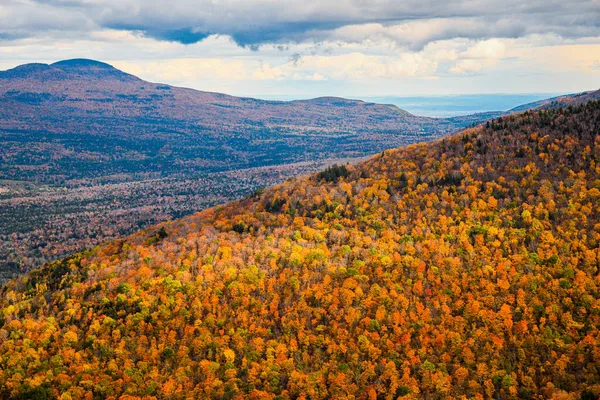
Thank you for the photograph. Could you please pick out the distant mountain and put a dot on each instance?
(560, 101)
(467, 267)
(66, 70)
(81, 119)
(87, 119)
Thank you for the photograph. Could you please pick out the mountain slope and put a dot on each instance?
(90, 153)
(87, 119)
(463, 267)
(560, 101)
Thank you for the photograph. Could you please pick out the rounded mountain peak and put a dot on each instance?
(81, 63)
(33, 71)
(78, 68)
(91, 69)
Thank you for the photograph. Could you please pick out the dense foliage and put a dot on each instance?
(464, 268)
(333, 173)
(41, 223)
(90, 153)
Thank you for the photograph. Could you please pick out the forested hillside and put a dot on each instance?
(90, 153)
(561, 101)
(468, 267)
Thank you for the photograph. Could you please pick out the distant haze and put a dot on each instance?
(449, 105)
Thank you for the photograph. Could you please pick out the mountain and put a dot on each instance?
(64, 71)
(93, 120)
(87, 119)
(463, 267)
(560, 101)
(89, 152)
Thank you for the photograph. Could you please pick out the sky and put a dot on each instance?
(307, 48)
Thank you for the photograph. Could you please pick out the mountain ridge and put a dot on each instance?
(80, 68)
(561, 101)
(89, 68)
(66, 69)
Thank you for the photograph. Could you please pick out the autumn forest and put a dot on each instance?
(466, 267)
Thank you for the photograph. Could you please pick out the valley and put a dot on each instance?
(104, 153)
(41, 222)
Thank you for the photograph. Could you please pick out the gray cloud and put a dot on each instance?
(411, 23)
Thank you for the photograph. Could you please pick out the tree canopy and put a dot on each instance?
(462, 268)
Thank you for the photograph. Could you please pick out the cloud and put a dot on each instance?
(418, 33)
(479, 56)
(410, 23)
(266, 72)
(325, 47)
(574, 59)
(466, 66)
(190, 69)
(359, 66)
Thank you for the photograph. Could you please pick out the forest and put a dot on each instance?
(41, 223)
(91, 153)
(466, 267)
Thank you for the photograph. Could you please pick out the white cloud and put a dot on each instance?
(186, 69)
(487, 49)
(466, 66)
(423, 55)
(266, 72)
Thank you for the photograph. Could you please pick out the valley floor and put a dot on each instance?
(41, 223)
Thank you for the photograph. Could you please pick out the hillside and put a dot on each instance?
(90, 153)
(464, 267)
(83, 118)
(560, 101)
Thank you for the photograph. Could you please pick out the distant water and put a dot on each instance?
(450, 105)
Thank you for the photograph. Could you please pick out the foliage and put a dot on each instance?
(333, 173)
(482, 287)
(89, 153)
(158, 236)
